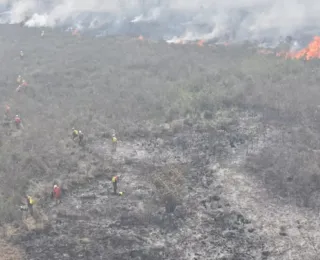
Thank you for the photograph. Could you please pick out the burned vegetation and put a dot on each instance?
(217, 150)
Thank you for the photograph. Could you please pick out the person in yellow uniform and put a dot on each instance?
(30, 203)
(114, 142)
(115, 183)
(19, 79)
(75, 133)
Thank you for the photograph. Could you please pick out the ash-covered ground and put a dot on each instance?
(217, 156)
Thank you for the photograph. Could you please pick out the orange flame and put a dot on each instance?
(75, 32)
(200, 43)
(312, 51)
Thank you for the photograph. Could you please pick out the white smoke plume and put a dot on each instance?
(174, 20)
(152, 15)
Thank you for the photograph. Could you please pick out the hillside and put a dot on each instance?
(218, 151)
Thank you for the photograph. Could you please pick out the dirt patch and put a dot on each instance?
(10, 252)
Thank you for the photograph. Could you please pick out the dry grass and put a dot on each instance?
(10, 252)
(97, 85)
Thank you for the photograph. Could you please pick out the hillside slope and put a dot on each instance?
(218, 150)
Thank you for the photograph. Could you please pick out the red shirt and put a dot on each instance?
(57, 192)
(18, 120)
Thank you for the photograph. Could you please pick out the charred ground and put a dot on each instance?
(219, 150)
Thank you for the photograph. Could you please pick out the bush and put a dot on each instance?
(169, 186)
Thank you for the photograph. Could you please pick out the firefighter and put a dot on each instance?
(22, 85)
(56, 194)
(30, 203)
(21, 54)
(75, 133)
(17, 121)
(19, 79)
(115, 180)
(114, 142)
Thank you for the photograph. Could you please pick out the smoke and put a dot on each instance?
(152, 15)
(173, 20)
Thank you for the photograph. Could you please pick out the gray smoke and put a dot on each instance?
(173, 20)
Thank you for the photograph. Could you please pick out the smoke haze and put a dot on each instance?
(173, 20)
